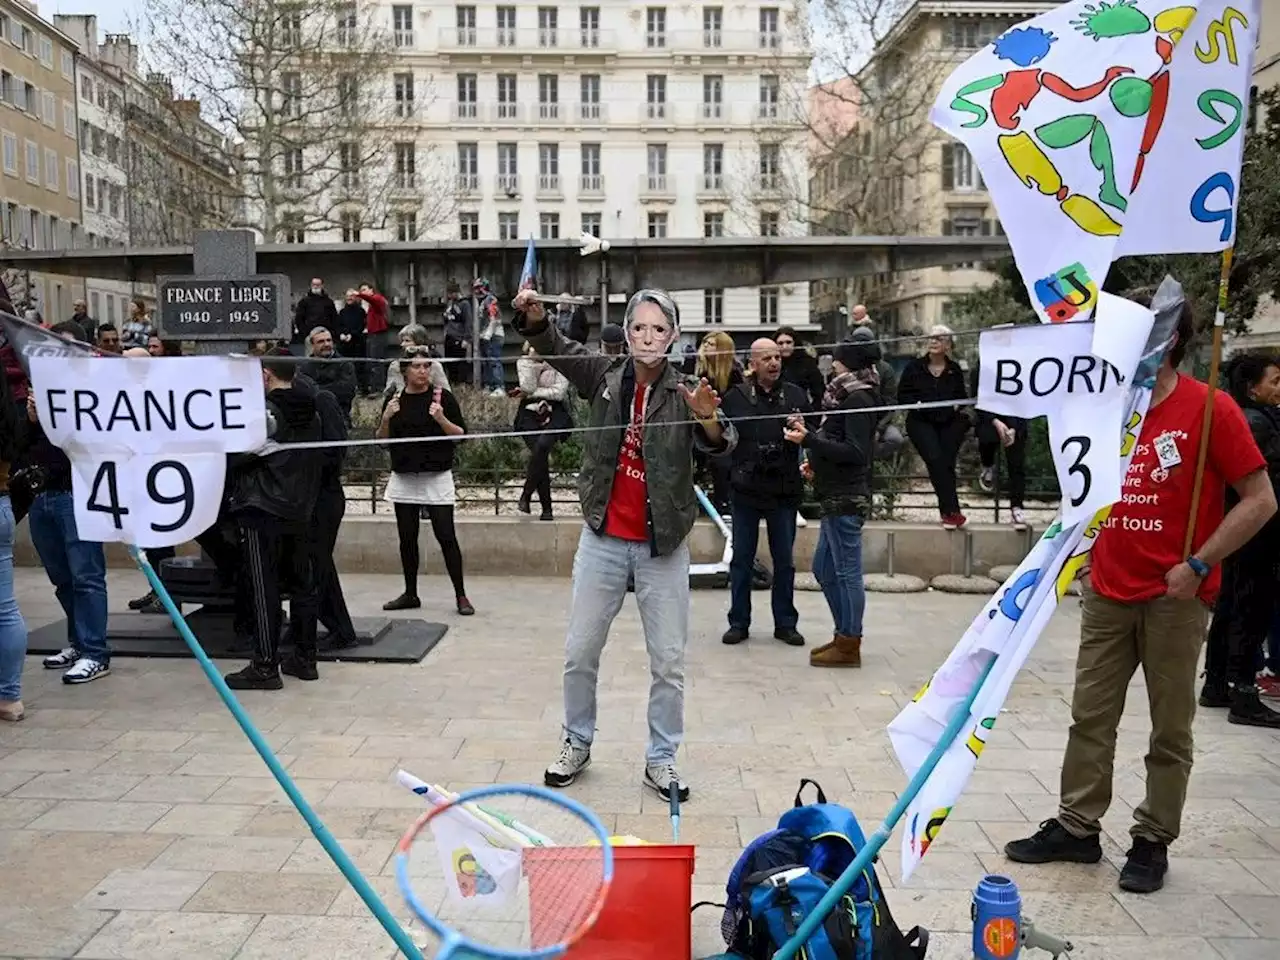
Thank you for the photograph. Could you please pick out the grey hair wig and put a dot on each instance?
(659, 298)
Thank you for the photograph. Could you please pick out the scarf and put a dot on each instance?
(840, 386)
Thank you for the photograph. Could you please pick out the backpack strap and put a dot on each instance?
(918, 942)
(822, 797)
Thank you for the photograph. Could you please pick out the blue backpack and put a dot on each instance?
(782, 875)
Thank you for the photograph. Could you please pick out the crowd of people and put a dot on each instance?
(763, 428)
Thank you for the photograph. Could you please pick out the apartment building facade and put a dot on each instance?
(611, 118)
(940, 192)
(100, 95)
(39, 154)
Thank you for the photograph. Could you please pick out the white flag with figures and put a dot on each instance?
(479, 869)
(1107, 128)
(148, 438)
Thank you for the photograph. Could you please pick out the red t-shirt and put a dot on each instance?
(627, 516)
(1142, 538)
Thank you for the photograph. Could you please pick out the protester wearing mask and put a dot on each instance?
(765, 484)
(271, 501)
(937, 432)
(329, 371)
(1247, 604)
(636, 488)
(459, 328)
(315, 309)
(352, 339)
(840, 454)
(414, 343)
(542, 415)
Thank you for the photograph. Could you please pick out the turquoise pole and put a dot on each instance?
(878, 839)
(321, 832)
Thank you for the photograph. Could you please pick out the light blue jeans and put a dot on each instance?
(837, 566)
(600, 571)
(491, 369)
(13, 629)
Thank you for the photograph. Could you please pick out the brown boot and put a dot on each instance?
(824, 648)
(842, 652)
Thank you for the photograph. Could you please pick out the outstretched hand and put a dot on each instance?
(703, 400)
(527, 302)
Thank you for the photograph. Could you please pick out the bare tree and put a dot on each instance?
(325, 132)
(865, 124)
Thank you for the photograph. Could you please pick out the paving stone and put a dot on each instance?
(227, 854)
(133, 935)
(99, 816)
(1262, 914)
(144, 890)
(270, 893)
(77, 786)
(1189, 914)
(16, 813)
(318, 938)
(35, 931)
(208, 819)
(369, 856)
(175, 789)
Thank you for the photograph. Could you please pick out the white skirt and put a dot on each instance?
(424, 489)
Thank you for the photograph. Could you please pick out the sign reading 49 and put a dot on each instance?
(152, 501)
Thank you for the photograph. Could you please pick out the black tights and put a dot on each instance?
(538, 472)
(407, 518)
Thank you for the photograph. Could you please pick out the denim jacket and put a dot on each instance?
(608, 384)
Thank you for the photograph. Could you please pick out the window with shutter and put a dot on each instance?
(948, 166)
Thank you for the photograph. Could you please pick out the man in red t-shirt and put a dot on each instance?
(376, 324)
(1146, 606)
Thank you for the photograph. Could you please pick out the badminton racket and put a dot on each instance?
(489, 893)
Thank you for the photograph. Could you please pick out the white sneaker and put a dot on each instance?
(498, 393)
(987, 479)
(85, 670)
(801, 521)
(663, 777)
(62, 659)
(1019, 518)
(568, 766)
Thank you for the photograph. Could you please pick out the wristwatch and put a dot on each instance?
(1198, 566)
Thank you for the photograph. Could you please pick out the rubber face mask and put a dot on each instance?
(651, 330)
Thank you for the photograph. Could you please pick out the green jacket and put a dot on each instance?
(668, 450)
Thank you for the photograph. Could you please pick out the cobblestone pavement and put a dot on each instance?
(137, 824)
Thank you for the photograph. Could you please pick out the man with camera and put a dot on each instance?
(765, 484)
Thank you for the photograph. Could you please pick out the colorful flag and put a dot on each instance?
(1099, 116)
(1006, 630)
(478, 872)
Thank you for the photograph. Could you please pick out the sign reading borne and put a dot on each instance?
(218, 308)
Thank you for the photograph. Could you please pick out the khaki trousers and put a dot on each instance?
(1162, 636)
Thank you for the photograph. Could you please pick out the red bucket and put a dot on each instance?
(645, 915)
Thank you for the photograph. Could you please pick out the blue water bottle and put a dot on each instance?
(997, 919)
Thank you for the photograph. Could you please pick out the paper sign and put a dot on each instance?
(1084, 438)
(1121, 333)
(1029, 371)
(148, 438)
(151, 500)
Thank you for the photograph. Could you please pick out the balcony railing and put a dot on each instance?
(730, 41)
(507, 111)
(655, 110)
(526, 40)
(768, 110)
(468, 182)
(655, 39)
(591, 112)
(656, 185)
(403, 38)
(770, 40)
(466, 110)
(591, 183)
(508, 184)
(713, 183)
(549, 183)
(712, 111)
(548, 111)
(405, 109)
(404, 180)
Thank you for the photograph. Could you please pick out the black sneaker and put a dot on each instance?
(790, 636)
(1052, 843)
(734, 635)
(1215, 695)
(406, 601)
(1145, 869)
(255, 677)
(299, 668)
(1248, 710)
(144, 601)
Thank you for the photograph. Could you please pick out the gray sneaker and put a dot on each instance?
(569, 765)
(62, 659)
(663, 778)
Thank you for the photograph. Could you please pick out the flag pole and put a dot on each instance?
(1219, 321)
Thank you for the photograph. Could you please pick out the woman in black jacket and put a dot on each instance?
(422, 475)
(840, 454)
(937, 432)
(1247, 602)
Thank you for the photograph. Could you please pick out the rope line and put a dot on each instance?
(273, 447)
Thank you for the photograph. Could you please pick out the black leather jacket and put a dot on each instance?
(282, 485)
